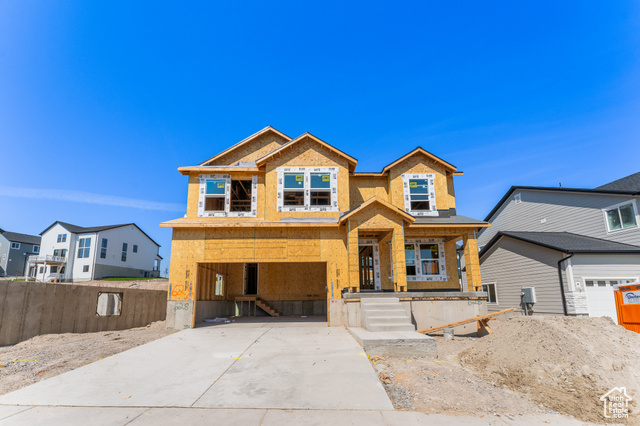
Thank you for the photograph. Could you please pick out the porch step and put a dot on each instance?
(384, 314)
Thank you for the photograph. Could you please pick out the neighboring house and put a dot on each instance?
(14, 251)
(291, 222)
(573, 245)
(74, 253)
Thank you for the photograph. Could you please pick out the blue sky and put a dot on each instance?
(100, 102)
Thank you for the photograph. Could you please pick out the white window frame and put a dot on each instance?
(376, 262)
(86, 250)
(307, 171)
(36, 249)
(432, 194)
(227, 197)
(15, 246)
(617, 206)
(495, 291)
(442, 276)
(62, 238)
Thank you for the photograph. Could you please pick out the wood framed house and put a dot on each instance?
(290, 224)
(572, 244)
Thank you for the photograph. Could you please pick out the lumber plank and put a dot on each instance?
(466, 321)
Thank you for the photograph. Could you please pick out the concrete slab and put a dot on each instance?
(173, 371)
(395, 343)
(10, 410)
(323, 417)
(197, 416)
(72, 416)
(300, 368)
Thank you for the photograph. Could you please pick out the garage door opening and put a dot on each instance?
(265, 290)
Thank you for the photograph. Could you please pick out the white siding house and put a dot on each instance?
(73, 253)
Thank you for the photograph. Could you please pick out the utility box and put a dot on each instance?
(528, 294)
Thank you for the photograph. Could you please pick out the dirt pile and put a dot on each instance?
(564, 363)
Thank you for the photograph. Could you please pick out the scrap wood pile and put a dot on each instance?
(564, 363)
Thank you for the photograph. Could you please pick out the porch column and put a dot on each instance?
(471, 260)
(353, 250)
(399, 265)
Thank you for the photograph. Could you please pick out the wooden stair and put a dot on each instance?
(268, 309)
(257, 303)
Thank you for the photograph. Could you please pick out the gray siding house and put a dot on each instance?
(571, 244)
(15, 248)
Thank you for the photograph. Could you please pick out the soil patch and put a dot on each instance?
(45, 356)
(564, 363)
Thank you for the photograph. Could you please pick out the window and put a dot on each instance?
(490, 289)
(293, 189)
(307, 189)
(109, 304)
(320, 189)
(15, 246)
(124, 252)
(85, 268)
(607, 282)
(419, 195)
(83, 248)
(425, 260)
(103, 249)
(221, 196)
(219, 285)
(135, 248)
(621, 216)
(54, 270)
(41, 269)
(36, 249)
(62, 238)
(60, 252)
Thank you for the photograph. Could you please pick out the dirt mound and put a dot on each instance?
(564, 363)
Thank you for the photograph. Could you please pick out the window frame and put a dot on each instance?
(442, 264)
(86, 249)
(125, 248)
(103, 248)
(36, 249)
(495, 292)
(307, 171)
(430, 177)
(15, 246)
(62, 238)
(134, 249)
(634, 206)
(227, 196)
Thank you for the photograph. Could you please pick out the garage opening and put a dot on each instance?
(267, 289)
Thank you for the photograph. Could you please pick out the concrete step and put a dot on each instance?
(390, 327)
(381, 306)
(374, 300)
(395, 343)
(386, 320)
(382, 312)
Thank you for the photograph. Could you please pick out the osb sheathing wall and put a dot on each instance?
(252, 150)
(191, 247)
(419, 164)
(363, 188)
(306, 153)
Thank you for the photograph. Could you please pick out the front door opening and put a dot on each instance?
(367, 277)
(251, 278)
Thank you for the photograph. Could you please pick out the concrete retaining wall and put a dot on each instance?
(28, 309)
(424, 313)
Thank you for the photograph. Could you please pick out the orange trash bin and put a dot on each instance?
(628, 306)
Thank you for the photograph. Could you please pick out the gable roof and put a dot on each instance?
(566, 242)
(553, 189)
(74, 229)
(262, 160)
(245, 141)
(373, 200)
(628, 183)
(16, 237)
(419, 150)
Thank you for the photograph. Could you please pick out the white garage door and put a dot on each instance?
(600, 297)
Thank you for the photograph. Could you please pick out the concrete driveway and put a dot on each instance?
(245, 373)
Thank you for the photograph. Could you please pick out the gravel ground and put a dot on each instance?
(48, 355)
(155, 284)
